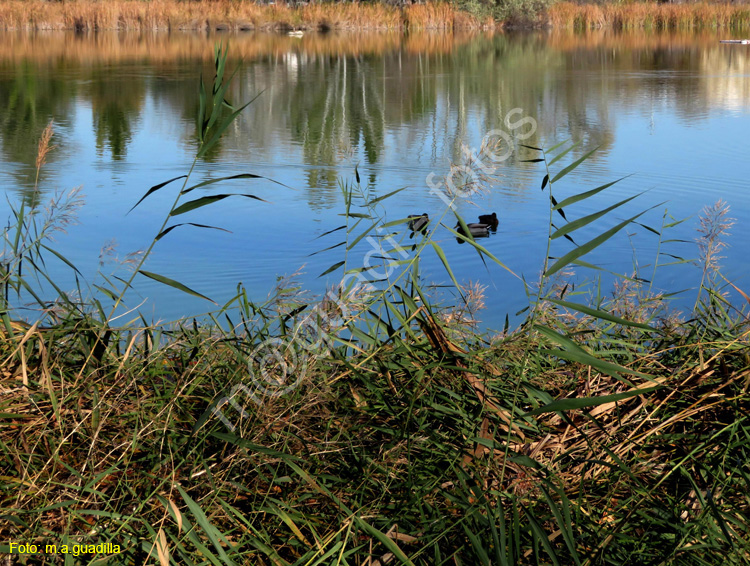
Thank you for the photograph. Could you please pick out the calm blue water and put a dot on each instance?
(671, 111)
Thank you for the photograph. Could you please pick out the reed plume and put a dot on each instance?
(714, 225)
(44, 148)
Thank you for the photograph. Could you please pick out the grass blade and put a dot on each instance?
(579, 223)
(155, 188)
(169, 229)
(561, 405)
(562, 154)
(174, 284)
(232, 177)
(207, 200)
(603, 315)
(441, 254)
(583, 196)
(575, 353)
(572, 166)
(590, 245)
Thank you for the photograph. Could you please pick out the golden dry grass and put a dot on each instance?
(206, 15)
(649, 15)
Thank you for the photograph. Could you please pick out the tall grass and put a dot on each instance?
(602, 430)
(91, 15)
(171, 15)
(649, 15)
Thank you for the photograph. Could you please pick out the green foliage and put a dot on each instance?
(513, 12)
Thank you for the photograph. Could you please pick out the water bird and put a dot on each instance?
(418, 222)
(476, 230)
(489, 219)
(296, 33)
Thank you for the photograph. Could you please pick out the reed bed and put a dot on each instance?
(648, 15)
(607, 431)
(224, 15)
(133, 15)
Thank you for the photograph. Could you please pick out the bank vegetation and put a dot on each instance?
(226, 15)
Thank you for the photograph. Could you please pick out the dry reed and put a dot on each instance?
(224, 15)
(44, 146)
(649, 16)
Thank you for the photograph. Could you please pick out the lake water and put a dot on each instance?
(672, 110)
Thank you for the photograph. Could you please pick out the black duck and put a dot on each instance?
(419, 222)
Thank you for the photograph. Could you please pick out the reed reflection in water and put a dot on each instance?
(671, 107)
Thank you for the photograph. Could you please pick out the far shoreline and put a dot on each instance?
(233, 16)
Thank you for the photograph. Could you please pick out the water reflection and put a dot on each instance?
(335, 93)
(398, 106)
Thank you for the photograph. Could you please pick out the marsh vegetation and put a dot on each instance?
(225, 15)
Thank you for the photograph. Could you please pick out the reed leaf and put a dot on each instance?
(572, 166)
(444, 260)
(207, 200)
(562, 405)
(362, 235)
(562, 154)
(155, 188)
(334, 267)
(588, 219)
(220, 129)
(334, 246)
(384, 540)
(167, 230)
(338, 229)
(174, 284)
(590, 245)
(588, 194)
(560, 144)
(575, 353)
(539, 536)
(385, 196)
(396, 222)
(230, 178)
(61, 257)
(602, 315)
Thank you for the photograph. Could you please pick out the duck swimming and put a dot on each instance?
(489, 219)
(418, 222)
(476, 230)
